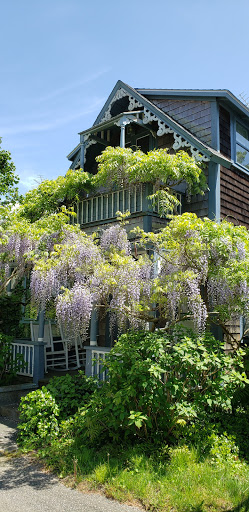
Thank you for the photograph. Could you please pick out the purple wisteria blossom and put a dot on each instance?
(115, 237)
(73, 310)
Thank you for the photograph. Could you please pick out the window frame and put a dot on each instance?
(239, 143)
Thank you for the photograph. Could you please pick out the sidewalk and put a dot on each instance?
(26, 487)
(7, 435)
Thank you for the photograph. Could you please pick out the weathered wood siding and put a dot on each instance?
(225, 137)
(198, 203)
(234, 191)
(194, 115)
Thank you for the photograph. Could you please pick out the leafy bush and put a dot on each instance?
(8, 367)
(71, 392)
(159, 384)
(38, 418)
(42, 410)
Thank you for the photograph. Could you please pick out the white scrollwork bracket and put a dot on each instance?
(121, 93)
(180, 142)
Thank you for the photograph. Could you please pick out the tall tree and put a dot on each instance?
(8, 177)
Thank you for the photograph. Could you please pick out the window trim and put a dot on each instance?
(239, 143)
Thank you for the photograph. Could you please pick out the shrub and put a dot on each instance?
(42, 411)
(71, 392)
(159, 384)
(38, 418)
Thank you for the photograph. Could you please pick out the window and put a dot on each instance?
(242, 145)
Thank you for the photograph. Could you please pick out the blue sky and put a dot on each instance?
(60, 60)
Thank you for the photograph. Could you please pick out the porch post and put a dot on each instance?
(39, 356)
(39, 362)
(41, 326)
(122, 134)
(214, 191)
(94, 327)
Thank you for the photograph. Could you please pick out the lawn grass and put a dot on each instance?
(175, 480)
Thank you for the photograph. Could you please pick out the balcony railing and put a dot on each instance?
(104, 206)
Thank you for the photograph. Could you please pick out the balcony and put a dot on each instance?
(103, 207)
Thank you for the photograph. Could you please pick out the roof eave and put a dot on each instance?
(224, 94)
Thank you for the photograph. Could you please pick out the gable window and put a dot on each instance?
(242, 145)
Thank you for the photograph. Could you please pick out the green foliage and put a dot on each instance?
(71, 392)
(38, 418)
(237, 427)
(8, 367)
(10, 308)
(123, 167)
(51, 195)
(42, 411)
(159, 384)
(224, 450)
(161, 479)
(213, 258)
(8, 178)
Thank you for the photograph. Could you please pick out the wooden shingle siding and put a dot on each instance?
(234, 191)
(194, 115)
(225, 137)
(198, 203)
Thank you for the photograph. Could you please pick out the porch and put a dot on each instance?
(32, 365)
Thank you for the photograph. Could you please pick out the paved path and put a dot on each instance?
(26, 487)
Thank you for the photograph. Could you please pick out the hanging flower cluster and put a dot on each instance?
(78, 273)
(204, 270)
(14, 251)
(196, 304)
(73, 310)
(130, 285)
(71, 262)
(115, 238)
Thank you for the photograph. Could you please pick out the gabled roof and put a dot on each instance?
(165, 118)
(140, 98)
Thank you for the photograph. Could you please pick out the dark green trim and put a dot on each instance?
(147, 223)
(215, 126)
(214, 191)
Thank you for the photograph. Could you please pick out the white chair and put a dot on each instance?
(55, 351)
(77, 351)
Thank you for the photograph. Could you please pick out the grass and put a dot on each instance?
(175, 480)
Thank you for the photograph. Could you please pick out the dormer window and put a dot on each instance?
(242, 145)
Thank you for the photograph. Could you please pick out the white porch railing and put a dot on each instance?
(26, 350)
(95, 357)
(98, 358)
